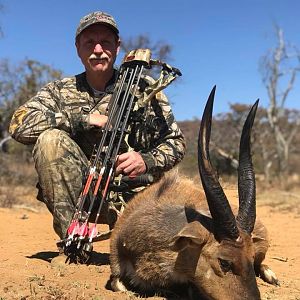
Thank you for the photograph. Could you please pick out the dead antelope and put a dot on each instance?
(173, 234)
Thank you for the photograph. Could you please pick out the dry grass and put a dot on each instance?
(280, 200)
(17, 181)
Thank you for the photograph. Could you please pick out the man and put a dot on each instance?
(64, 120)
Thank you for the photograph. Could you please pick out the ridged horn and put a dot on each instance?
(246, 177)
(223, 218)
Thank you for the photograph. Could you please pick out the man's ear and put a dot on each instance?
(118, 46)
(77, 45)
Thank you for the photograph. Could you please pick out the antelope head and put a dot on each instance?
(225, 262)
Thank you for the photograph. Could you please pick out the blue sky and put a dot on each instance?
(214, 41)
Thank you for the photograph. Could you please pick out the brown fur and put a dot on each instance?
(165, 237)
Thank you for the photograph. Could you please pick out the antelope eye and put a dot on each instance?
(225, 265)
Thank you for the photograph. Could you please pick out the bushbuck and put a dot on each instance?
(177, 233)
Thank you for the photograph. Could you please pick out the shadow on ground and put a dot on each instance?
(97, 259)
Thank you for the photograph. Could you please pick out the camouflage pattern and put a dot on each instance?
(55, 120)
(97, 17)
(60, 163)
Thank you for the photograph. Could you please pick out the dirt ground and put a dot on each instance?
(28, 245)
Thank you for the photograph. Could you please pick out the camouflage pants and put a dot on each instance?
(61, 164)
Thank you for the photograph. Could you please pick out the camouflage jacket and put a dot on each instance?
(65, 104)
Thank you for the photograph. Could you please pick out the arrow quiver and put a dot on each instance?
(126, 96)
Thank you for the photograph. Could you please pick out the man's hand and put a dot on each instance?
(96, 119)
(131, 164)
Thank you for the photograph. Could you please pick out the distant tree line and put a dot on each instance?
(225, 143)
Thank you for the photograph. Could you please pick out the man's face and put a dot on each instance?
(97, 46)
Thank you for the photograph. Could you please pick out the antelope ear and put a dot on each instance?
(192, 235)
(257, 238)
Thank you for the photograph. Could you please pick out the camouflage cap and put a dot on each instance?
(97, 17)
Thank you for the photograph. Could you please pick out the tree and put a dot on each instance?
(279, 68)
(160, 50)
(262, 141)
(18, 84)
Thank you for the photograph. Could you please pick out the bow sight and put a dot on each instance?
(125, 99)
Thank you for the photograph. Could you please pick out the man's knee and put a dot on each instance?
(51, 144)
